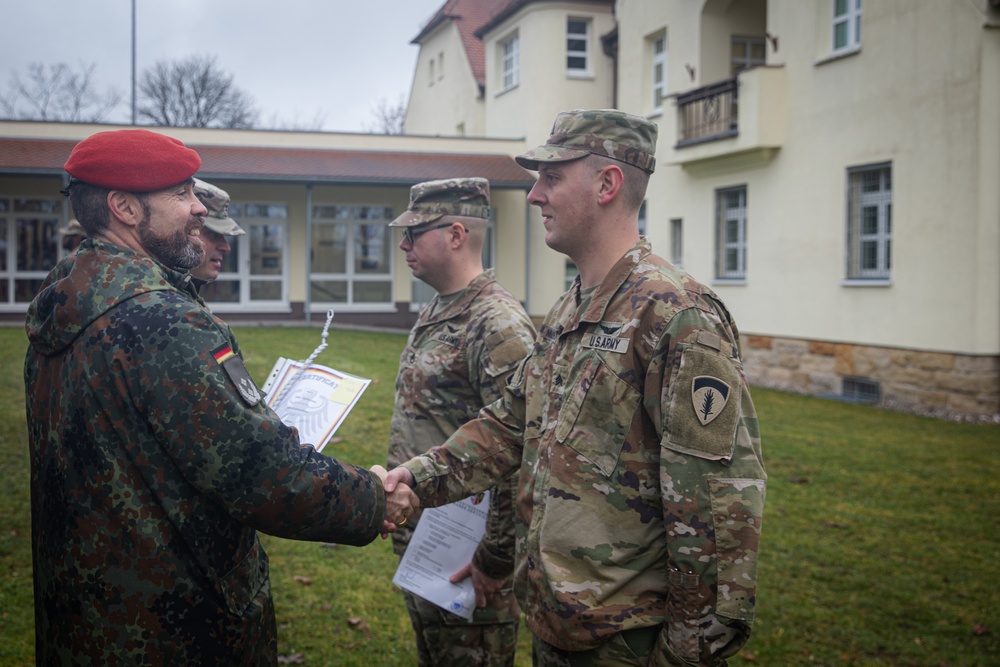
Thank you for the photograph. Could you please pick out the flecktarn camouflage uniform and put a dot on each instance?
(459, 356)
(641, 484)
(154, 460)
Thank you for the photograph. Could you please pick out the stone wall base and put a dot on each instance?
(958, 386)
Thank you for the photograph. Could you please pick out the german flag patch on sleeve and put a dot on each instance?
(238, 374)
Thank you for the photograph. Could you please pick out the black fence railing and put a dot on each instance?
(707, 113)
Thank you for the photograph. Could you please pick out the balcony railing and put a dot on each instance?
(707, 114)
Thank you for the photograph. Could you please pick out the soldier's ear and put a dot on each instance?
(610, 181)
(125, 207)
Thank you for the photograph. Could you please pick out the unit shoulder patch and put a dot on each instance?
(704, 410)
(709, 396)
(238, 374)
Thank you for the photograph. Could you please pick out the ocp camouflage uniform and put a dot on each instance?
(641, 484)
(154, 460)
(457, 359)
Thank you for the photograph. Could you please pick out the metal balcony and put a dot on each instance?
(708, 113)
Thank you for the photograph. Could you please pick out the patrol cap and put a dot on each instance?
(430, 200)
(608, 132)
(216, 200)
(73, 228)
(132, 161)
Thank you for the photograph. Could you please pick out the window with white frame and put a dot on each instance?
(510, 62)
(731, 233)
(869, 222)
(659, 71)
(846, 33)
(577, 46)
(29, 245)
(677, 242)
(262, 253)
(430, 72)
(351, 256)
(747, 51)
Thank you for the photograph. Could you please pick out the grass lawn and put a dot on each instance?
(881, 538)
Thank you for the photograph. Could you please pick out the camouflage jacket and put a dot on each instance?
(458, 358)
(154, 460)
(640, 478)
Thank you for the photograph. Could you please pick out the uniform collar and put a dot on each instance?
(459, 304)
(609, 287)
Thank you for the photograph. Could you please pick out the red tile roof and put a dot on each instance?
(47, 156)
(507, 8)
(469, 16)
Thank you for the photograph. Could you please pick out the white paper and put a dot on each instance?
(317, 401)
(443, 543)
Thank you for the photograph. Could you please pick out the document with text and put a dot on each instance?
(443, 543)
(315, 400)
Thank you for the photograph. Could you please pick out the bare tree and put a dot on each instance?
(58, 93)
(194, 93)
(295, 123)
(389, 118)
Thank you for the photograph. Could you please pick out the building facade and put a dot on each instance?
(316, 207)
(830, 167)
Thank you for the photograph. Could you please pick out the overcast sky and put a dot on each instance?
(298, 59)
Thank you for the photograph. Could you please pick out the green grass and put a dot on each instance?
(881, 540)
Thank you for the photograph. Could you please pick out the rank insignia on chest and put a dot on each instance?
(238, 374)
(709, 396)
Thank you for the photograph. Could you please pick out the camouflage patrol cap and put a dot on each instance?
(608, 132)
(430, 200)
(216, 200)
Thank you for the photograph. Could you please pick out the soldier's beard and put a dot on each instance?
(176, 251)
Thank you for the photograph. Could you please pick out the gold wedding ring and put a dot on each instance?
(403, 522)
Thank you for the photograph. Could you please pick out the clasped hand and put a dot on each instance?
(400, 500)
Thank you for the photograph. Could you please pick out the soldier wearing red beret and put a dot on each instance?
(154, 458)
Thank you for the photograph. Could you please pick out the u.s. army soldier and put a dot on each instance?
(154, 459)
(630, 429)
(218, 226)
(464, 346)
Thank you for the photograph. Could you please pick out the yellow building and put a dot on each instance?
(830, 167)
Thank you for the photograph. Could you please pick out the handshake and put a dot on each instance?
(400, 500)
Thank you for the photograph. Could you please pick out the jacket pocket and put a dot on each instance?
(597, 414)
(737, 507)
(240, 585)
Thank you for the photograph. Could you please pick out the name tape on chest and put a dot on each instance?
(449, 339)
(606, 343)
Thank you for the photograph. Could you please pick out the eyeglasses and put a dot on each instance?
(410, 234)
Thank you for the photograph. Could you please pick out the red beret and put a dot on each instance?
(132, 161)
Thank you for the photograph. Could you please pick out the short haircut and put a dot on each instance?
(90, 206)
(635, 180)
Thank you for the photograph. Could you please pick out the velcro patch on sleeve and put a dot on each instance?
(704, 404)
(507, 352)
(238, 374)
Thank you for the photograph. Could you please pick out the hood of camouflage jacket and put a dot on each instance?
(84, 286)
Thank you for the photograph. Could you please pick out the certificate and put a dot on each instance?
(443, 543)
(315, 401)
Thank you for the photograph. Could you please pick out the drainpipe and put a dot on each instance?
(309, 251)
(527, 255)
(609, 44)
